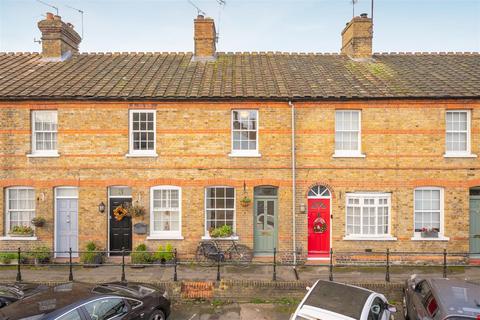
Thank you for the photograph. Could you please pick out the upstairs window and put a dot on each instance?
(142, 133)
(347, 133)
(44, 133)
(20, 207)
(457, 140)
(244, 132)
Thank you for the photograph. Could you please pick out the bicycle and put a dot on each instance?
(209, 253)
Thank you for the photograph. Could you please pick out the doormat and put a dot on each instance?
(197, 290)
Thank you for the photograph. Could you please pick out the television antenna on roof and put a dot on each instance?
(79, 11)
(199, 11)
(49, 5)
(353, 7)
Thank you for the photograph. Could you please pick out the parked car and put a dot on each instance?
(14, 292)
(79, 301)
(441, 299)
(328, 300)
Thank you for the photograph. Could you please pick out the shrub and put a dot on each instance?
(91, 246)
(7, 257)
(91, 257)
(41, 254)
(221, 232)
(140, 256)
(164, 253)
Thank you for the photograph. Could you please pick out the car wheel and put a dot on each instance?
(405, 309)
(157, 315)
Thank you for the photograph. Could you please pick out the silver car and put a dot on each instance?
(441, 299)
(328, 300)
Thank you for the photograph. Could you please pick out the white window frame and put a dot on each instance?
(207, 235)
(172, 235)
(244, 153)
(377, 195)
(441, 234)
(141, 153)
(7, 215)
(42, 153)
(460, 154)
(357, 153)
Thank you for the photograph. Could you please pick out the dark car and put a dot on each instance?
(441, 299)
(18, 291)
(79, 301)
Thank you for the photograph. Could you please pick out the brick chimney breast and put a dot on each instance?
(205, 37)
(357, 38)
(59, 39)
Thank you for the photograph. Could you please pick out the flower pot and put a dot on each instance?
(18, 235)
(429, 234)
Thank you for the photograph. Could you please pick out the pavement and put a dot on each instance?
(158, 273)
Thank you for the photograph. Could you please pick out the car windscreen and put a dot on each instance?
(338, 298)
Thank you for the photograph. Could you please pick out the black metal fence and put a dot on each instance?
(336, 259)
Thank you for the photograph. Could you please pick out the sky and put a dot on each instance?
(248, 25)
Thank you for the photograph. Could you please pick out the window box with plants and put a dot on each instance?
(92, 257)
(140, 257)
(429, 232)
(221, 232)
(21, 231)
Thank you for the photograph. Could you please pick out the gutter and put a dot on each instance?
(294, 224)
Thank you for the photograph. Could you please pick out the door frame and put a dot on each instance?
(108, 213)
(331, 219)
(55, 222)
(473, 255)
(275, 230)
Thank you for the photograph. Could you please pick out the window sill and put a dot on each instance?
(348, 155)
(165, 237)
(363, 238)
(43, 155)
(245, 155)
(459, 155)
(8, 238)
(141, 155)
(228, 238)
(440, 238)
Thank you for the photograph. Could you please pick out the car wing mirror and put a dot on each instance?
(391, 308)
(308, 288)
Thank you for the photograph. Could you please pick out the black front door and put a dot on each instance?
(120, 231)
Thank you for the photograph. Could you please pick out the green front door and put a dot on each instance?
(475, 226)
(265, 225)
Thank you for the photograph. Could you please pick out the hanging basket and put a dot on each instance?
(245, 201)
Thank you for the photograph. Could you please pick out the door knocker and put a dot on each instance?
(319, 225)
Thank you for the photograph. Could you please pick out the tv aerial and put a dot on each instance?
(199, 11)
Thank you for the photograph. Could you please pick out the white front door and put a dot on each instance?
(66, 221)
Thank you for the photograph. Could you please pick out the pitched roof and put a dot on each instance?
(157, 76)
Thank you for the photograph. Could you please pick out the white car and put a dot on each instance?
(328, 300)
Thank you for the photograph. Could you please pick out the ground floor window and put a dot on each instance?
(368, 214)
(20, 207)
(219, 207)
(428, 209)
(166, 211)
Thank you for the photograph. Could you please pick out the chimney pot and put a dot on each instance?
(357, 38)
(59, 39)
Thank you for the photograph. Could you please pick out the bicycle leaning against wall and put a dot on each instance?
(209, 252)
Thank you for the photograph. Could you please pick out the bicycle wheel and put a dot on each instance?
(241, 254)
(202, 257)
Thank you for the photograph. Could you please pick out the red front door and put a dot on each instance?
(318, 228)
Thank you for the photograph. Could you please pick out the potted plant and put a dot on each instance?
(21, 231)
(140, 256)
(164, 254)
(136, 211)
(7, 257)
(91, 258)
(41, 255)
(38, 221)
(245, 201)
(221, 232)
(429, 232)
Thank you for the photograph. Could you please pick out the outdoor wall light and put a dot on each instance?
(303, 208)
(101, 207)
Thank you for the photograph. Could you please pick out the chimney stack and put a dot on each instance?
(357, 38)
(205, 38)
(59, 39)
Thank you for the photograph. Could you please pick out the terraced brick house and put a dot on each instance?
(351, 151)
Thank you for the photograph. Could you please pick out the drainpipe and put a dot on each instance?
(292, 106)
